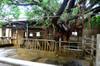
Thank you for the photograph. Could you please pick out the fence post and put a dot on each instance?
(92, 46)
(98, 50)
(59, 44)
(92, 51)
(83, 42)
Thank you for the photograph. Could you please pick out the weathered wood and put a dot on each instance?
(98, 51)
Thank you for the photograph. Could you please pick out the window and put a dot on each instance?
(37, 34)
(31, 35)
(74, 33)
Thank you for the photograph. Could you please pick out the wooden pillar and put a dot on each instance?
(16, 41)
(98, 51)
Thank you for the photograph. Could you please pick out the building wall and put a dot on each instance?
(0, 32)
(18, 37)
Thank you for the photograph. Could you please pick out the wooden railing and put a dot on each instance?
(5, 40)
(39, 44)
(60, 48)
(50, 45)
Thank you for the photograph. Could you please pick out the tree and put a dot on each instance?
(43, 11)
(95, 21)
(8, 11)
(46, 12)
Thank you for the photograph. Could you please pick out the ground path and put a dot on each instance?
(11, 52)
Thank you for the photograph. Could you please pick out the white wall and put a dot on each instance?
(8, 32)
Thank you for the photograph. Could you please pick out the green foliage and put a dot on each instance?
(9, 12)
(1, 24)
(15, 12)
(64, 16)
(53, 5)
(94, 1)
(45, 2)
(95, 21)
(5, 2)
(43, 8)
(86, 23)
(75, 11)
(47, 23)
(47, 7)
(35, 13)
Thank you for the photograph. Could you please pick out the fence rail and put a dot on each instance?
(50, 45)
(39, 44)
(61, 48)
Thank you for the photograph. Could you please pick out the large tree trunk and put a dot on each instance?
(62, 27)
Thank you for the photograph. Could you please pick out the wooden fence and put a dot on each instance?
(39, 44)
(5, 40)
(59, 48)
(87, 45)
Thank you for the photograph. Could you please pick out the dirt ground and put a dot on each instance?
(11, 52)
